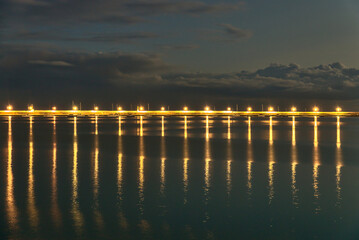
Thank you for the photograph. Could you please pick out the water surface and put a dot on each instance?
(179, 177)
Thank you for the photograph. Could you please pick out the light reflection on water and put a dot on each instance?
(294, 163)
(141, 174)
(271, 162)
(12, 212)
(56, 212)
(185, 167)
(339, 163)
(207, 171)
(32, 210)
(163, 165)
(197, 177)
(97, 212)
(316, 165)
(76, 213)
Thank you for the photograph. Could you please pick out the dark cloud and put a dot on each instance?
(21, 66)
(180, 7)
(105, 11)
(31, 2)
(128, 37)
(178, 47)
(235, 33)
(48, 74)
(51, 63)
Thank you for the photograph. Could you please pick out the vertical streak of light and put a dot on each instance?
(185, 168)
(338, 132)
(96, 125)
(98, 217)
(207, 128)
(249, 167)
(141, 126)
(75, 126)
(11, 209)
(249, 159)
(55, 206)
(163, 166)
(76, 214)
(249, 130)
(163, 126)
(95, 172)
(185, 126)
(229, 167)
(293, 131)
(294, 166)
(207, 156)
(339, 164)
(315, 132)
(207, 173)
(33, 212)
(119, 168)
(271, 162)
(270, 131)
(141, 177)
(229, 128)
(316, 164)
(119, 126)
(120, 193)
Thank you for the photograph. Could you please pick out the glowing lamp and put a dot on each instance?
(185, 109)
(74, 108)
(270, 109)
(249, 109)
(339, 109)
(162, 108)
(294, 109)
(9, 107)
(53, 108)
(119, 108)
(229, 109)
(206, 109)
(315, 109)
(141, 108)
(31, 108)
(96, 108)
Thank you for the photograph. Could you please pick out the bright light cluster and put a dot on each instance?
(185, 109)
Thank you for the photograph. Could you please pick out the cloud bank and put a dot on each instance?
(117, 76)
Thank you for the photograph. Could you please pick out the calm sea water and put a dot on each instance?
(193, 178)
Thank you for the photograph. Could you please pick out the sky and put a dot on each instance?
(175, 53)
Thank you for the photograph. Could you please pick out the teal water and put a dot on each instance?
(176, 178)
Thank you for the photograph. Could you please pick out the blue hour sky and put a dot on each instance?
(218, 52)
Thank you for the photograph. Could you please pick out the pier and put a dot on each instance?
(185, 112)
